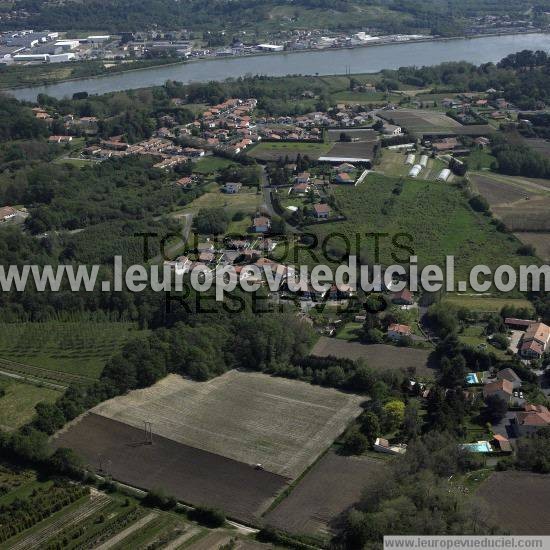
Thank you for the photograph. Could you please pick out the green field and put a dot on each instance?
(485, 304)
(350, 331)
(392, 163)
(480, 160)
(73, 347)
(273, 150)
(210, 164)
(365, 97)
(437, 217)
(246, 202)
(17, 405)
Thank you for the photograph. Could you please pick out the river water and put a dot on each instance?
(359, 60)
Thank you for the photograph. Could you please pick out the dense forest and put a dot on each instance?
(391, 16)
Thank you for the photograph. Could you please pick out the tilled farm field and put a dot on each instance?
(330, 488)
(191, 475)
(284, 425)
(520, 501)
(209, 437)
(378, 356)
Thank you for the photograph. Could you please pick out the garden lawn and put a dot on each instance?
(211, 164)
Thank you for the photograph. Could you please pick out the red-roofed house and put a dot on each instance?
(403, 297)
(7, 213)
(534, 341)
(531, 419)
(397, 331)
(344, 177)
(322, 211)
(261, 224)
(501, 388)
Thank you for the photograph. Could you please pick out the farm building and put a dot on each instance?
(392, 130)
(518, 324)
(415, 171)
(410, 159)
(444, 175)
(424, 161)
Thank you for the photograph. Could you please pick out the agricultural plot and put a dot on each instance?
(362, 134)
(343, 150)
(331, 487)
(362, 98)
(392, 163)
(542, 146)
(75, 348)
(272, 151)
(78, 513)
(191, 475)
(377, 356)
(246, 202)
(18, 403)
(419, 122)
(522, 204)
(519, 500)
(448, 226)
(433, 123)
(249, 417)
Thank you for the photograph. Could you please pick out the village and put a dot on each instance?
(263, 182)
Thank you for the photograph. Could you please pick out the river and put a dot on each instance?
(370, 59)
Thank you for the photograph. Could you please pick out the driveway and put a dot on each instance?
(503, 427)
(514, 340)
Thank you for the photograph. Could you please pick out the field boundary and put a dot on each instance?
(42, 373)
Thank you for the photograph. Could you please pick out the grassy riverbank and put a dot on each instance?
(21, 76)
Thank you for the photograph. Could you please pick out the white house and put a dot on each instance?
(232, 187)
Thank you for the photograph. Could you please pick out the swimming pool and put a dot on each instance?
(471, 378)
(479, 447)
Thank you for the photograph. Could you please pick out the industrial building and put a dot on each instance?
(271, 47)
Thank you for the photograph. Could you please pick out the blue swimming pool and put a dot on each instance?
(471, 378)
(479, 447)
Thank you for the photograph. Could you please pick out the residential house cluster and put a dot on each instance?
(168, 154)
(228, 126)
